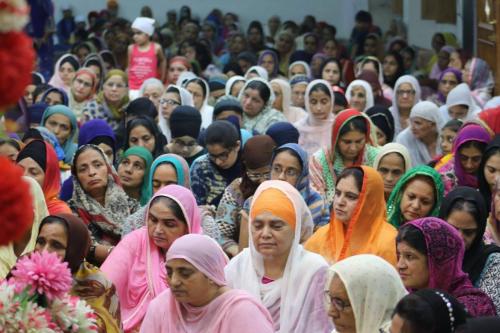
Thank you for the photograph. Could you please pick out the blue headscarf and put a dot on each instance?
(51, 138)
(148, 160)
(181, 168)
(69, 146)
(65, 99)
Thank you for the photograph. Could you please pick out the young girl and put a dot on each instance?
(145, 58)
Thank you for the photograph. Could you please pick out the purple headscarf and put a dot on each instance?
(445, 254)
(275, 59)
(458, 75)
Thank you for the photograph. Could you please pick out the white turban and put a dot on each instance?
(144, 24)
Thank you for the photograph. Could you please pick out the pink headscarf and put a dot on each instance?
(137, 267)
(232, 311)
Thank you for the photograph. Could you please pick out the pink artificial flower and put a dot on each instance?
(43, 273)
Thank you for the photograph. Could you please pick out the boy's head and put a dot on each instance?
(141, 26)
(363, 20)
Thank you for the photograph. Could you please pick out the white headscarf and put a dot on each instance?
(261, 71)
(186, 99)
(297, 293)
(460, 95)
(418, 150)
(207, 111)
(394, 108)
(144, 24)
(292, 113)
(184, 77)
(368, 91)
(231, 82)
(393, 147)
(374, 289)
(303, 63)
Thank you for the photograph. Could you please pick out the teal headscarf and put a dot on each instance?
(69, 146)
(148, 160)
(394, 215)
(180, 165)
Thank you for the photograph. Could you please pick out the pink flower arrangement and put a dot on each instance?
(43, 273)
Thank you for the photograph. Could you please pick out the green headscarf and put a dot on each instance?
(69, 146)
(148, 160)
(116, 111)
(394, 215)
(181, 168)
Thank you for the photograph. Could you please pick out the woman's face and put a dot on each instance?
(467, 73)
(310, 45)
(153, 92)
(443, 59)
(115, 89)
(131, 171)
(278, 100)
(33, 170)
(320, 104)
(53, 239)
(391, 168)
(223, 157)
(188, 284)
(417, 200)
(28, 94)
(174, 71)
(358, 98)
(108, 151)
(412, 267)
(470, 159)
(330, 49)
(67, 73)
(458, 111)
(298, 69)
(164, 174)
(492, 170)
(466, 225)
(456, 61)
(370, 66)
(268, 63)
(9, 151)
(54, 98)
(331, 73)
(407, 60)
(438, 42)
(346, 199)
(197, 93)
(284, 44)
(92, 172)
(168, 103)
(251, 102)
(390, 66)
(447, 82)
(163, 226)
(286, 167)
(141, 136)
(82, 87)
(271, 236)
(236, 88)
(447, 138)
(298, 95)
(339, 307)
(422, 128)
(60, 125)
(97, 71)
(351, 144)
(183, 146)
(381, 137)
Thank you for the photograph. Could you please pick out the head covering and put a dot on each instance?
(142, 106)
(94, 129)
(257, 151)
(454, 71)
(366, 232)
(185, 120)
(428, 111)
(493, 148)
(394, 214)
(115, 110)
(35, 113)
(314, 133)
(46, 157)
(227, 103)
(368, 92)
(186, 99)
(149, 124)
(60, 91)
(460, 95)
(445, 252)
(78, 239)
(382, 118)
(148, 160)
(372, 79)
(469, 132)
(136, 266)
(480, 80)
(291, 113)
(217, 83)
(483, 325)
(7, 256)
(283, 132)
(302, 271)
(476, 256)
(390, 148)
(95, 59)
(304, 64)
(56, 80)
(261, 73)
(299, 79)
(180, 165)
(380, 70)
(95, 83)
(144, 24)
(395, 108)
(68, 146)
(491, 119)
(231, 82)
(275, 60)
(372, 299)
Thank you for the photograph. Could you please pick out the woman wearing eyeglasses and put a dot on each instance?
(82, 90)
(256, 166)
(214, 171)
(111, 102)
(172, 97)
(406, 95)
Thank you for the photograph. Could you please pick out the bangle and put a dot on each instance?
(110, 249)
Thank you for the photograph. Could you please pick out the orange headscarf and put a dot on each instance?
(274, 201)
(367, 232)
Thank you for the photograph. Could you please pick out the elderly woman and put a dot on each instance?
(283, 101)
(286, 278)
(68, 237)
(172, 97)
(152, 88)
(406, 95)
(61, 121)
(478, 75)
(448, 80)
(137, 265)
(257, 98)
(359, 94)
(201, 301)
(111, 102)
(422, 137)
(392, 162)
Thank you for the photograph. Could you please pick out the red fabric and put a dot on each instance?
(143, 66)
(52, 183)
(492, 118)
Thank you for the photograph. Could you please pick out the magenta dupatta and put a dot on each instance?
(137, 267)
(445, 253)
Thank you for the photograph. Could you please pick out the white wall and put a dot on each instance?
(337, 12)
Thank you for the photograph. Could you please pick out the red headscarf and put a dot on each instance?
(52, 183)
